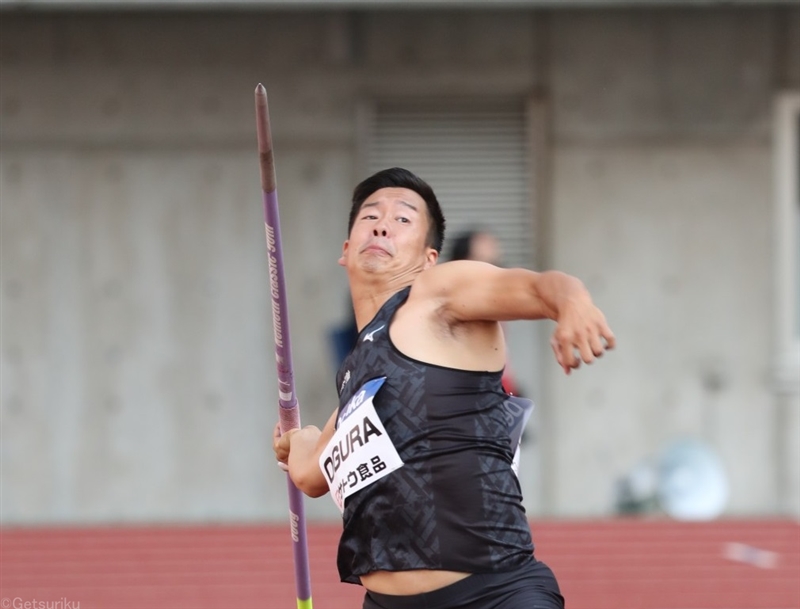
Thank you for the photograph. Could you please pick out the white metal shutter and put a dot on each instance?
(473, 154)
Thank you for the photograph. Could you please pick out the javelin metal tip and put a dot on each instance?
(264, 140)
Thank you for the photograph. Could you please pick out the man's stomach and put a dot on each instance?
(406, 583)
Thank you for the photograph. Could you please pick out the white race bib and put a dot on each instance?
(360, 451)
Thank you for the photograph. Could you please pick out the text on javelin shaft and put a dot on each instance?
(273, 285)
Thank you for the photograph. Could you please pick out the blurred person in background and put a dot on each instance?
(419, 456)
(476, 244)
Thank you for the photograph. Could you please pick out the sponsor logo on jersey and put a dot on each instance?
(370, 336)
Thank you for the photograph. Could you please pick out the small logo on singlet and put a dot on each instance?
(370, 336)
(344, 382)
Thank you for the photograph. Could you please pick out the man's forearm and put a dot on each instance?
(303, 461)
(556, 290)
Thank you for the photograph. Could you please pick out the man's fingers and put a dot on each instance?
(564, 349)
(559, 358)
(575, 348)
(609, 337)
(280, 445)
(556, 346)
(581, 338)
(586, 351)
(596, 345)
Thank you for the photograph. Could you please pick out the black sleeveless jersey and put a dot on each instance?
(456, 503)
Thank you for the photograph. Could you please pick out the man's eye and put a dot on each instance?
(370, 217)
(404, 220)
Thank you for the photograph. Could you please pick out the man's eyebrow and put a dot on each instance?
(376, 203)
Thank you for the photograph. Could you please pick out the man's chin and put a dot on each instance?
(374, 264)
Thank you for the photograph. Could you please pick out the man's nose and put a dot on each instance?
(380, 229)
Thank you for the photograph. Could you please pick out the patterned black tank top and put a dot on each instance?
(456, 504)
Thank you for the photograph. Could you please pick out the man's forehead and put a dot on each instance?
(392, 195)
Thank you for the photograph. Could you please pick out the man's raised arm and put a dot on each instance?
(475, 291)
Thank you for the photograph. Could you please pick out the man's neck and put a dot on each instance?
(369, 297)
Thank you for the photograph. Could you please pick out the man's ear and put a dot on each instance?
(343, 257)
(431, 257)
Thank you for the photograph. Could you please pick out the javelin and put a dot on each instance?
(287, 399)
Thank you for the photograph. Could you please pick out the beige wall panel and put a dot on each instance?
(662, 74)
(443, 40)
(674, 243)
(140, 382)
(82, 106)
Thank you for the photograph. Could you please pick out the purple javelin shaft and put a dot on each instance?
(287, 398)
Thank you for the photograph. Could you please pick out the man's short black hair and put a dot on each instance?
(397, 177)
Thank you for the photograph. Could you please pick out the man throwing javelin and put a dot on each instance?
(419, 453)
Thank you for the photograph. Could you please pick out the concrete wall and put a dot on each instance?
(663, 175)
(137, 374)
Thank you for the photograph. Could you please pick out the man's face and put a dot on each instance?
(390, 234)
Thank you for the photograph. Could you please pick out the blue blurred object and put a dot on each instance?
(341, 339)
(692, 482)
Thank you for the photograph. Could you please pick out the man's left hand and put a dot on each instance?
(582, 334)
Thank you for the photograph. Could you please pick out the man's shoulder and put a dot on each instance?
(442, 278)
(444, 270)
(431, 292)
(427, 283)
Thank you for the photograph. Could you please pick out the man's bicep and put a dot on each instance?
(477, 291)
